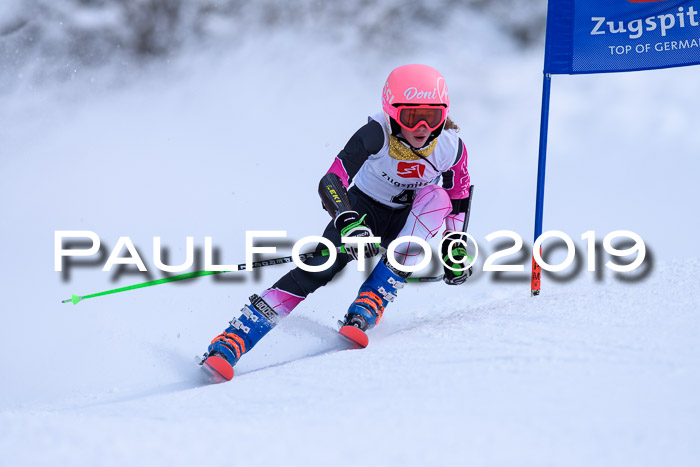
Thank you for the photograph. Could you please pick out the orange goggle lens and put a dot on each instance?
(411, 117)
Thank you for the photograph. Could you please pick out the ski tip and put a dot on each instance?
(218, 368)
(355, 336)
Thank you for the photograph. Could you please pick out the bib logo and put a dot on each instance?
(410, 170)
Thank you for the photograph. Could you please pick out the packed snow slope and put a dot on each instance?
(598, 370)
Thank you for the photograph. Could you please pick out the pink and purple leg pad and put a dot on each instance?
(431, 208)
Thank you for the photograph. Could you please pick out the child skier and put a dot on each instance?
(395, 163)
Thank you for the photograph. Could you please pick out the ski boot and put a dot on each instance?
(374, 295)
(256, 320)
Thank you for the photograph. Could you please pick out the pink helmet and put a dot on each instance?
(414, 85)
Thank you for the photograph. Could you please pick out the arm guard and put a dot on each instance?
(333, 194)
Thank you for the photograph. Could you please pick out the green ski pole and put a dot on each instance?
(190, 275)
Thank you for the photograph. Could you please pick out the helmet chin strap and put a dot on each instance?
(425, 159)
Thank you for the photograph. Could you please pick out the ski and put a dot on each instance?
(217, 368)
(355, 336)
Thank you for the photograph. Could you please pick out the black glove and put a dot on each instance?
(350, 224)
(457, 243)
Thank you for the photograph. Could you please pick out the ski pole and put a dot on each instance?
(256, 264)
(190, 275)
(464, 229)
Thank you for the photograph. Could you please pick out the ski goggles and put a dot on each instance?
(411, 117)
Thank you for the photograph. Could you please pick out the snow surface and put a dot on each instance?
(598, 370)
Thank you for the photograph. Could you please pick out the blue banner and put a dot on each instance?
(602, 36)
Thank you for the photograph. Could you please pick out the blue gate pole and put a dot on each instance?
(541, 165)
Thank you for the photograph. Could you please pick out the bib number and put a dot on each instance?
(405, 197)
